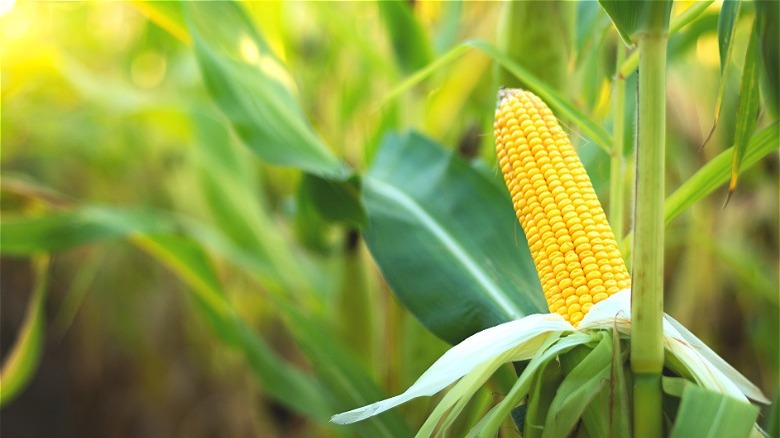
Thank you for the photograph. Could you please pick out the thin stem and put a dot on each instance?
(616, 162)
(647, 354)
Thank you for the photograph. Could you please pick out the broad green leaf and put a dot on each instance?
(768, 14)
(446, 240)
(634, 18)
(747, 110)
(253, 88)
(410, 44)
(708, 414)
(538, 36)
(22, 360)
(335, 201)
(560, 105)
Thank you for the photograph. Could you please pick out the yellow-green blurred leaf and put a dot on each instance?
(22, 361)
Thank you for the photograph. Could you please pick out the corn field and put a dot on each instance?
(390, 219)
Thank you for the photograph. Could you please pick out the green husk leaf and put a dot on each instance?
(708, 414)
(540, 398)
(579, 388)
(538, 36)
(492, 421)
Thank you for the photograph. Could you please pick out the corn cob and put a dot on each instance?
(573, 246)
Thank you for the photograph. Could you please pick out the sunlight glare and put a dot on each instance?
(6, 6)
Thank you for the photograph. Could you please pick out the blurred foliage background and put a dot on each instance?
(199, 290)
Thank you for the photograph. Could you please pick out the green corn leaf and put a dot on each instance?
(718, 170)
(490, 424)
(538, 36)
(727, 19)
(334, 200)
(253, 88)
(708, 414)
(768, 14)
(620, 413)
(540, 398)
(747, 110)
(22, 361)
(557, 103)
(580, 386)
(634, 18)
(410, 44)
(349, 383)
(281, 380)
(442, 236)
(168, 15)
(715, 173)
(684, 18)
(726, 29)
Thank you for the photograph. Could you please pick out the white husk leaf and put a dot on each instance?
(466, 356)
(521, 339)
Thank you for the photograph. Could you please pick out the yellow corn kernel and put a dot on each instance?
(572, 244)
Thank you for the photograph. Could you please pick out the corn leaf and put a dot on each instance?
(281, 380)
(747, 110)
(557, 103)
(492, 421)
(346, 383)
(234, 195)
(410, 44)
(718, 170)
(768, 14)
(540, 398)
(632, 18)
(538, 36)
(713, 174)
(681, 20)
(22, 361)
(253, 88)
(727, 19)
(334, 200)
(438, 231)
(729, 11)
(168, 15)
(560, 106)
(580, 386)
(725, 416)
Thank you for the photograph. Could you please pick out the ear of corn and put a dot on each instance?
(573, 247)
